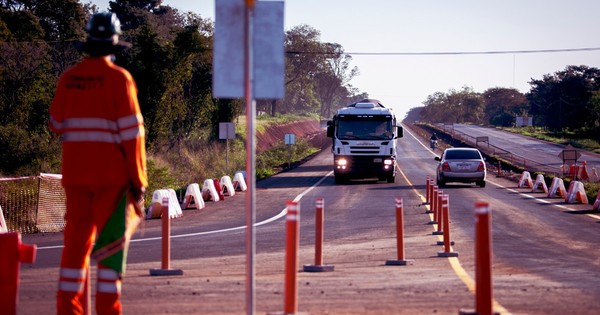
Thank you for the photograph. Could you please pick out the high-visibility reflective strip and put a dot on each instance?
(70, 286)
(398, 203)
(132, 133)
(319, 203)
(108, 274)
(91, 123)
(55, 123)
(109, 287)
(91, 136)
(72, 273)
(130, 121)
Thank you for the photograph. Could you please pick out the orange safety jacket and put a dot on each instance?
(96, 111)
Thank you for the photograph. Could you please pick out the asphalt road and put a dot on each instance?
(545, 253)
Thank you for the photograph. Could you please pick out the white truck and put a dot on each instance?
(364, 141)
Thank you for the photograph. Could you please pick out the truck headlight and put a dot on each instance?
(341, 163)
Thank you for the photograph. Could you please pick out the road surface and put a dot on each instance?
(545, 253)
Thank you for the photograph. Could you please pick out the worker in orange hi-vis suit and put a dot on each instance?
(96, 111)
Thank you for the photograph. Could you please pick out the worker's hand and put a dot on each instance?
(137, 194)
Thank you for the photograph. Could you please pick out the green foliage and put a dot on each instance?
(27, 153)
(591, 190)
(460, 106)
(565, 100)
(160, 176)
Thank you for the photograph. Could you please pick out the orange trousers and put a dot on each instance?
(88, 210)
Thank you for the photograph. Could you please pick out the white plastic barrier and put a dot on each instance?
(3, 227)
(227, 186)
(525, 179)
(209, 191)
(597, 202)
(576, 193)
(557, 188)
(193, 194)
(174, 202)
(156, 204)
(539, 183)
(239, 181)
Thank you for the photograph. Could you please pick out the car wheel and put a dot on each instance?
(441, 183)
(391, 179)
(481, 184)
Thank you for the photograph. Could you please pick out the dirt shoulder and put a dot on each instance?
(305, 129)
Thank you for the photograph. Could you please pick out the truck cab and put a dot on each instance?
(364, 141)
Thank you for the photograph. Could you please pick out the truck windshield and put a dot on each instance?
(365, 129)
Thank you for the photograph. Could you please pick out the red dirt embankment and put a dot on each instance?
(306, 129)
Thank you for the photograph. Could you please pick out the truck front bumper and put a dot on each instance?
(364, 166)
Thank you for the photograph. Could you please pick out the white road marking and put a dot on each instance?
(237, 228)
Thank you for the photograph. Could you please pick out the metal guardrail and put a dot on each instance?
(501, 154)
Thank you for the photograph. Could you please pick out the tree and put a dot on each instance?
(26, 89)
(333, 77)
(564, 99)
(131, 13)
(304, 58)
(502, 105)
(460, 106)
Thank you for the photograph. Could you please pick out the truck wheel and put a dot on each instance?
(340, 179)
(391, 179)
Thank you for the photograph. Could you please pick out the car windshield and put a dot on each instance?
(462, 155)
(365, 129)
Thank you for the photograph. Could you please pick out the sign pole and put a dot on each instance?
(250, 159)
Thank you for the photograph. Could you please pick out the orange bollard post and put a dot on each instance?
(13, 254)
(483, 261)
(483, 256)
(401, 261)
(166, 245)
(446, 221)
(441, 226)
(292, 219)
(438, 214)
(433, 205)
(427, 183)
(430, 190)
(319, 229)
(430, 201)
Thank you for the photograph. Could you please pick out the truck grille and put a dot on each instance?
(364, 149)
(364, 162)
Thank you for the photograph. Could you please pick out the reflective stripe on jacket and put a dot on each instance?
(96, 111)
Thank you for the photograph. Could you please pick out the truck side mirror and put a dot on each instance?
(400, 132)
(330, 131)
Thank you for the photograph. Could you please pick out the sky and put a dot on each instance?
(441, 26)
